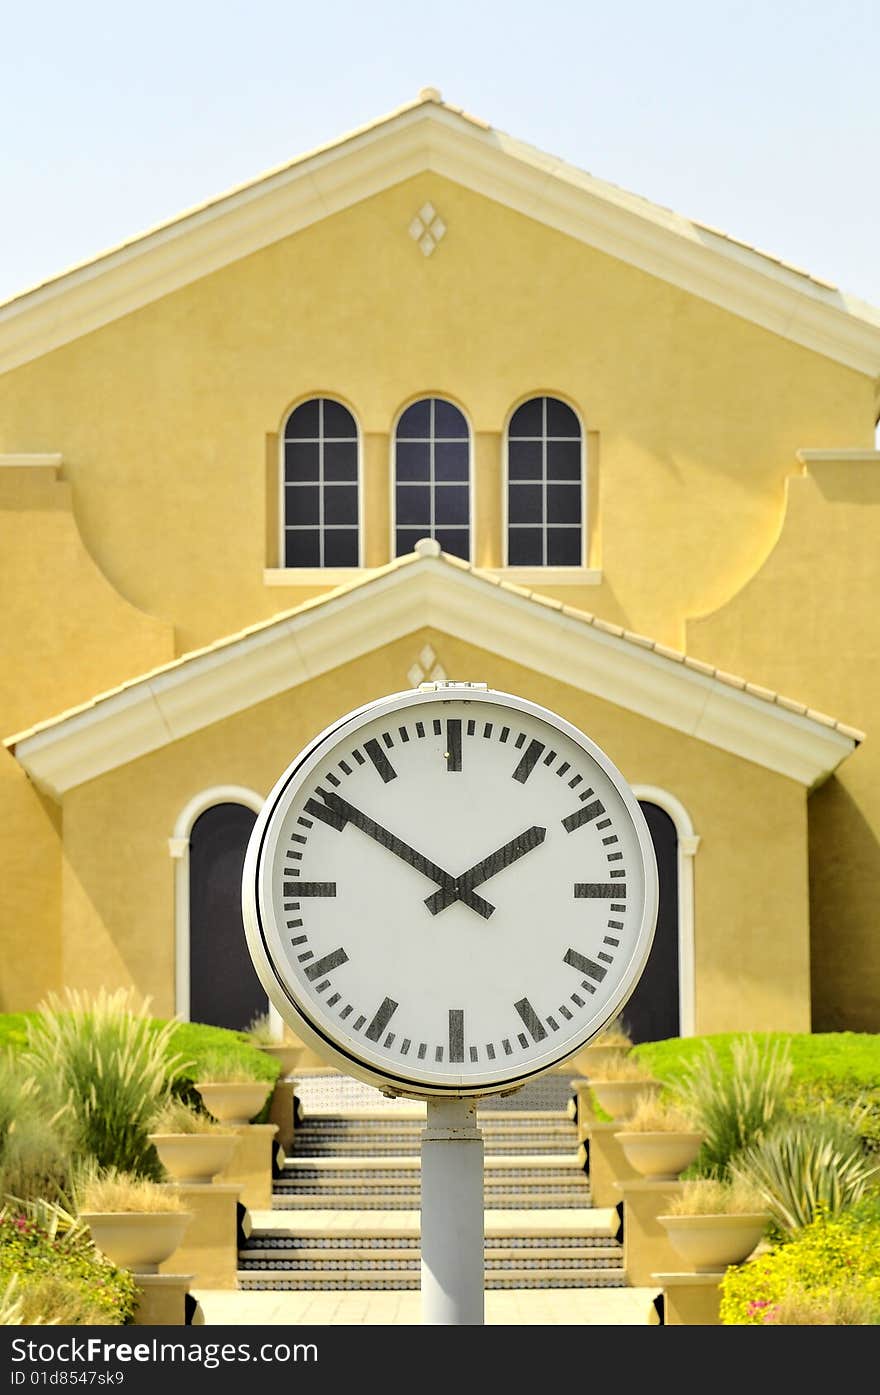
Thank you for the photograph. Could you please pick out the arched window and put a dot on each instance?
(432, 459)
(545, 486)
(321, 506)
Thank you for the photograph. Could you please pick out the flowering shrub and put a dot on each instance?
(61, 1277)
(821, 1269)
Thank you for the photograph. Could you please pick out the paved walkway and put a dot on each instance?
(537, 1307)
(572, 1307)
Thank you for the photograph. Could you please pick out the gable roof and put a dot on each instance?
(429, 134)
(431, 588)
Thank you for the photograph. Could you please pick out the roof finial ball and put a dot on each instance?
(430, 94)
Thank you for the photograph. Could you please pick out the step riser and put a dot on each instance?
(329, 1170)
(607, 1279)
(397, 1203)
(414, 1266)
(411, 1148)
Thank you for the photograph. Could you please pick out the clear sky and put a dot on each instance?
(758, 118)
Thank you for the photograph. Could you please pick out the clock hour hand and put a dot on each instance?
(457, 888)
(341, 813)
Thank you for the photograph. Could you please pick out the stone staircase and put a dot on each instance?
(345, 1209)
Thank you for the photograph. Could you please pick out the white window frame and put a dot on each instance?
(178, 848)
(315, 576)
(688, 842)
(578, 574)
(471, 527)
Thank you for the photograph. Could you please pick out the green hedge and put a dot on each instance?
(832, 1256)
(196, 1041)
(836, 1070)
(842, 1057)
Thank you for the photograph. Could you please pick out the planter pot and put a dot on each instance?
(659, 1156)
(234, 1101)
(710, 1243)
(618, 1097)
(137, 1240)
(194, 1157)
(288, 1054)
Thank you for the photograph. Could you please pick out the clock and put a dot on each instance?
(449, 891)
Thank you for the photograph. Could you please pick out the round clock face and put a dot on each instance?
(450, 890)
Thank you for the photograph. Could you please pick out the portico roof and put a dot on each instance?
(428, 588)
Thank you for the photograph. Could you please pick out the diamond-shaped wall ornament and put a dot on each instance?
(427, 668)
(427, 228)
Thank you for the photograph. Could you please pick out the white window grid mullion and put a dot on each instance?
(320, 481)
(544, 527)
(432, 419)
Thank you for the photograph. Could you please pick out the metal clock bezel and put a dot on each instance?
(421, 1082)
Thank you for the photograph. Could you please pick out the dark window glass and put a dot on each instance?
(563, 460)
(414, 504)
(340, 505)
(449, 421)
(451, 505)
(525, 547)
(563, 547)
(525, 503)
(321, 485)
(553, 461)
(302, 503)
(528, 420)
(303, 422)
(563, 503)
(561, 420)
(407, 539)
(340, 460)
(301, 460)
(454, 540)
(341, 547)
(451, 460)
(301, 548)
(525, 460)
(413, 460)
(415, 422)
(338, 420)
(432, 467)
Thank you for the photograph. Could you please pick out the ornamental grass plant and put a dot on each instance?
(259, 1030)
(35, 1149)
(733, 1106)
(616, 1035)
(714, 1196)
(110, 1067)
(112, 1191)
(217, 1066)
(652, 1114)
(614, 1068)
(807, 1166)
(176, 1116)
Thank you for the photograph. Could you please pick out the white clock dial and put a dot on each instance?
(449, 891)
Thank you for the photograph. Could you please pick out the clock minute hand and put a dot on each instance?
(459, 887)
(347, 813)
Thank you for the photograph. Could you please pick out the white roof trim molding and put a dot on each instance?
(430, 135)
(429, 590)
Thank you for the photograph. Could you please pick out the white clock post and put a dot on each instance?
(452, 1229)
(409, 964)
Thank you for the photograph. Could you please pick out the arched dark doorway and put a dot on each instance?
(224, 988)
(653, 1011)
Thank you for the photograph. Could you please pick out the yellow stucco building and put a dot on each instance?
(429, 403)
